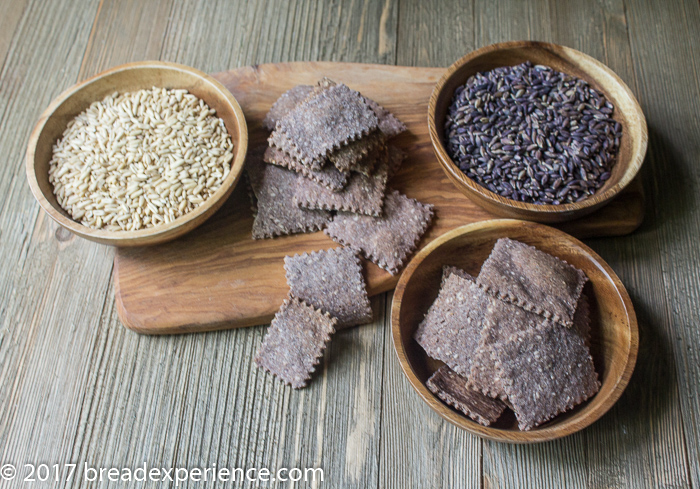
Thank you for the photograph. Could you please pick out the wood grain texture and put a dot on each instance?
(75, 385)
(241, 281)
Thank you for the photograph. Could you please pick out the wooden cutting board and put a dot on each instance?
(218, 277)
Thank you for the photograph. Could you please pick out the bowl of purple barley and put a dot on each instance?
(536, 131)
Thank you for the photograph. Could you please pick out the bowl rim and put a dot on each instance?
(548, 433)
(156, 234)
(594, 201)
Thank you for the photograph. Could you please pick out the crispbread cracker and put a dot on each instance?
(451, 387)
(451, 328)
(287, 101)
(388, 123)
(295, 342)
(396, 159)
(328, 176)
(448, 270)
(545, 371)
(350, 156)
(324, 123)
(362, 195)
(582, 319)
(386, 240)
(502, 320)
(331, 280)
(276, 212)
(533, 280)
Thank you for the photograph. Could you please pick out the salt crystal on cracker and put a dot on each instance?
(502, 320)
(533, 280)
(386, 240)
(331, 280)
(287, 101)
(545, 371)
(451, 387)
(276, 212)
(362, 195)
(451, 328)
(321, 124)
(328, 176)
(295, 342)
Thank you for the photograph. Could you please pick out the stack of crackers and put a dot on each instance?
(516, 336)
(326, 166)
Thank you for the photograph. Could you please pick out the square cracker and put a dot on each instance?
(295, 342)
(287, 101)
(324, 123)
(331, 280)
(451, 387)
(502, 320)
(545, 371)
(362, 195)
(276, 214)
(328, 176)
(451, 328)
(532, 279)
(386, 240)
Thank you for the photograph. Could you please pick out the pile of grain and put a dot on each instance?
(140, 159)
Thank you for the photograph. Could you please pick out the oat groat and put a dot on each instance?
(295, 342)
(451, 328)
(451, 387)
(322, 124)
(545, 371)
(331, 280)
(387, 240)
(533, 280)
(287, 101)
(277, 214)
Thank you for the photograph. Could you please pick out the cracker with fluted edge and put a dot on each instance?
(331, 280)
(295, 342)
(387, 240)
(285, 103)
(328, 176)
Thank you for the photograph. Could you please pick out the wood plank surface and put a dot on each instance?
(76, 386)
(218, 277)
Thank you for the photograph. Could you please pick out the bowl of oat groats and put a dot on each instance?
(536, 131)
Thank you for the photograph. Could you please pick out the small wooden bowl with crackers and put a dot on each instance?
(609, 345)
(627, 112)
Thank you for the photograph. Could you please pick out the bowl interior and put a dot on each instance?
(613, 325)
(627, 111)
(133, 77)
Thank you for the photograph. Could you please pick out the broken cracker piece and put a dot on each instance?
(322, 124)
(388, 123)
(287, 101)
(451, 328)
(451, 387)
(295, 342)
(328, 176)
(362, 195)
(532, 279)
(331, 280)
(545, 371)
(350, 156)
(386, 240)
(277, 214)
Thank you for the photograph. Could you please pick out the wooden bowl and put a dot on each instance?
(627, 112)
(614, 335)
(126, 78)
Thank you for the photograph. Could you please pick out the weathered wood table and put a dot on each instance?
(76, 387)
